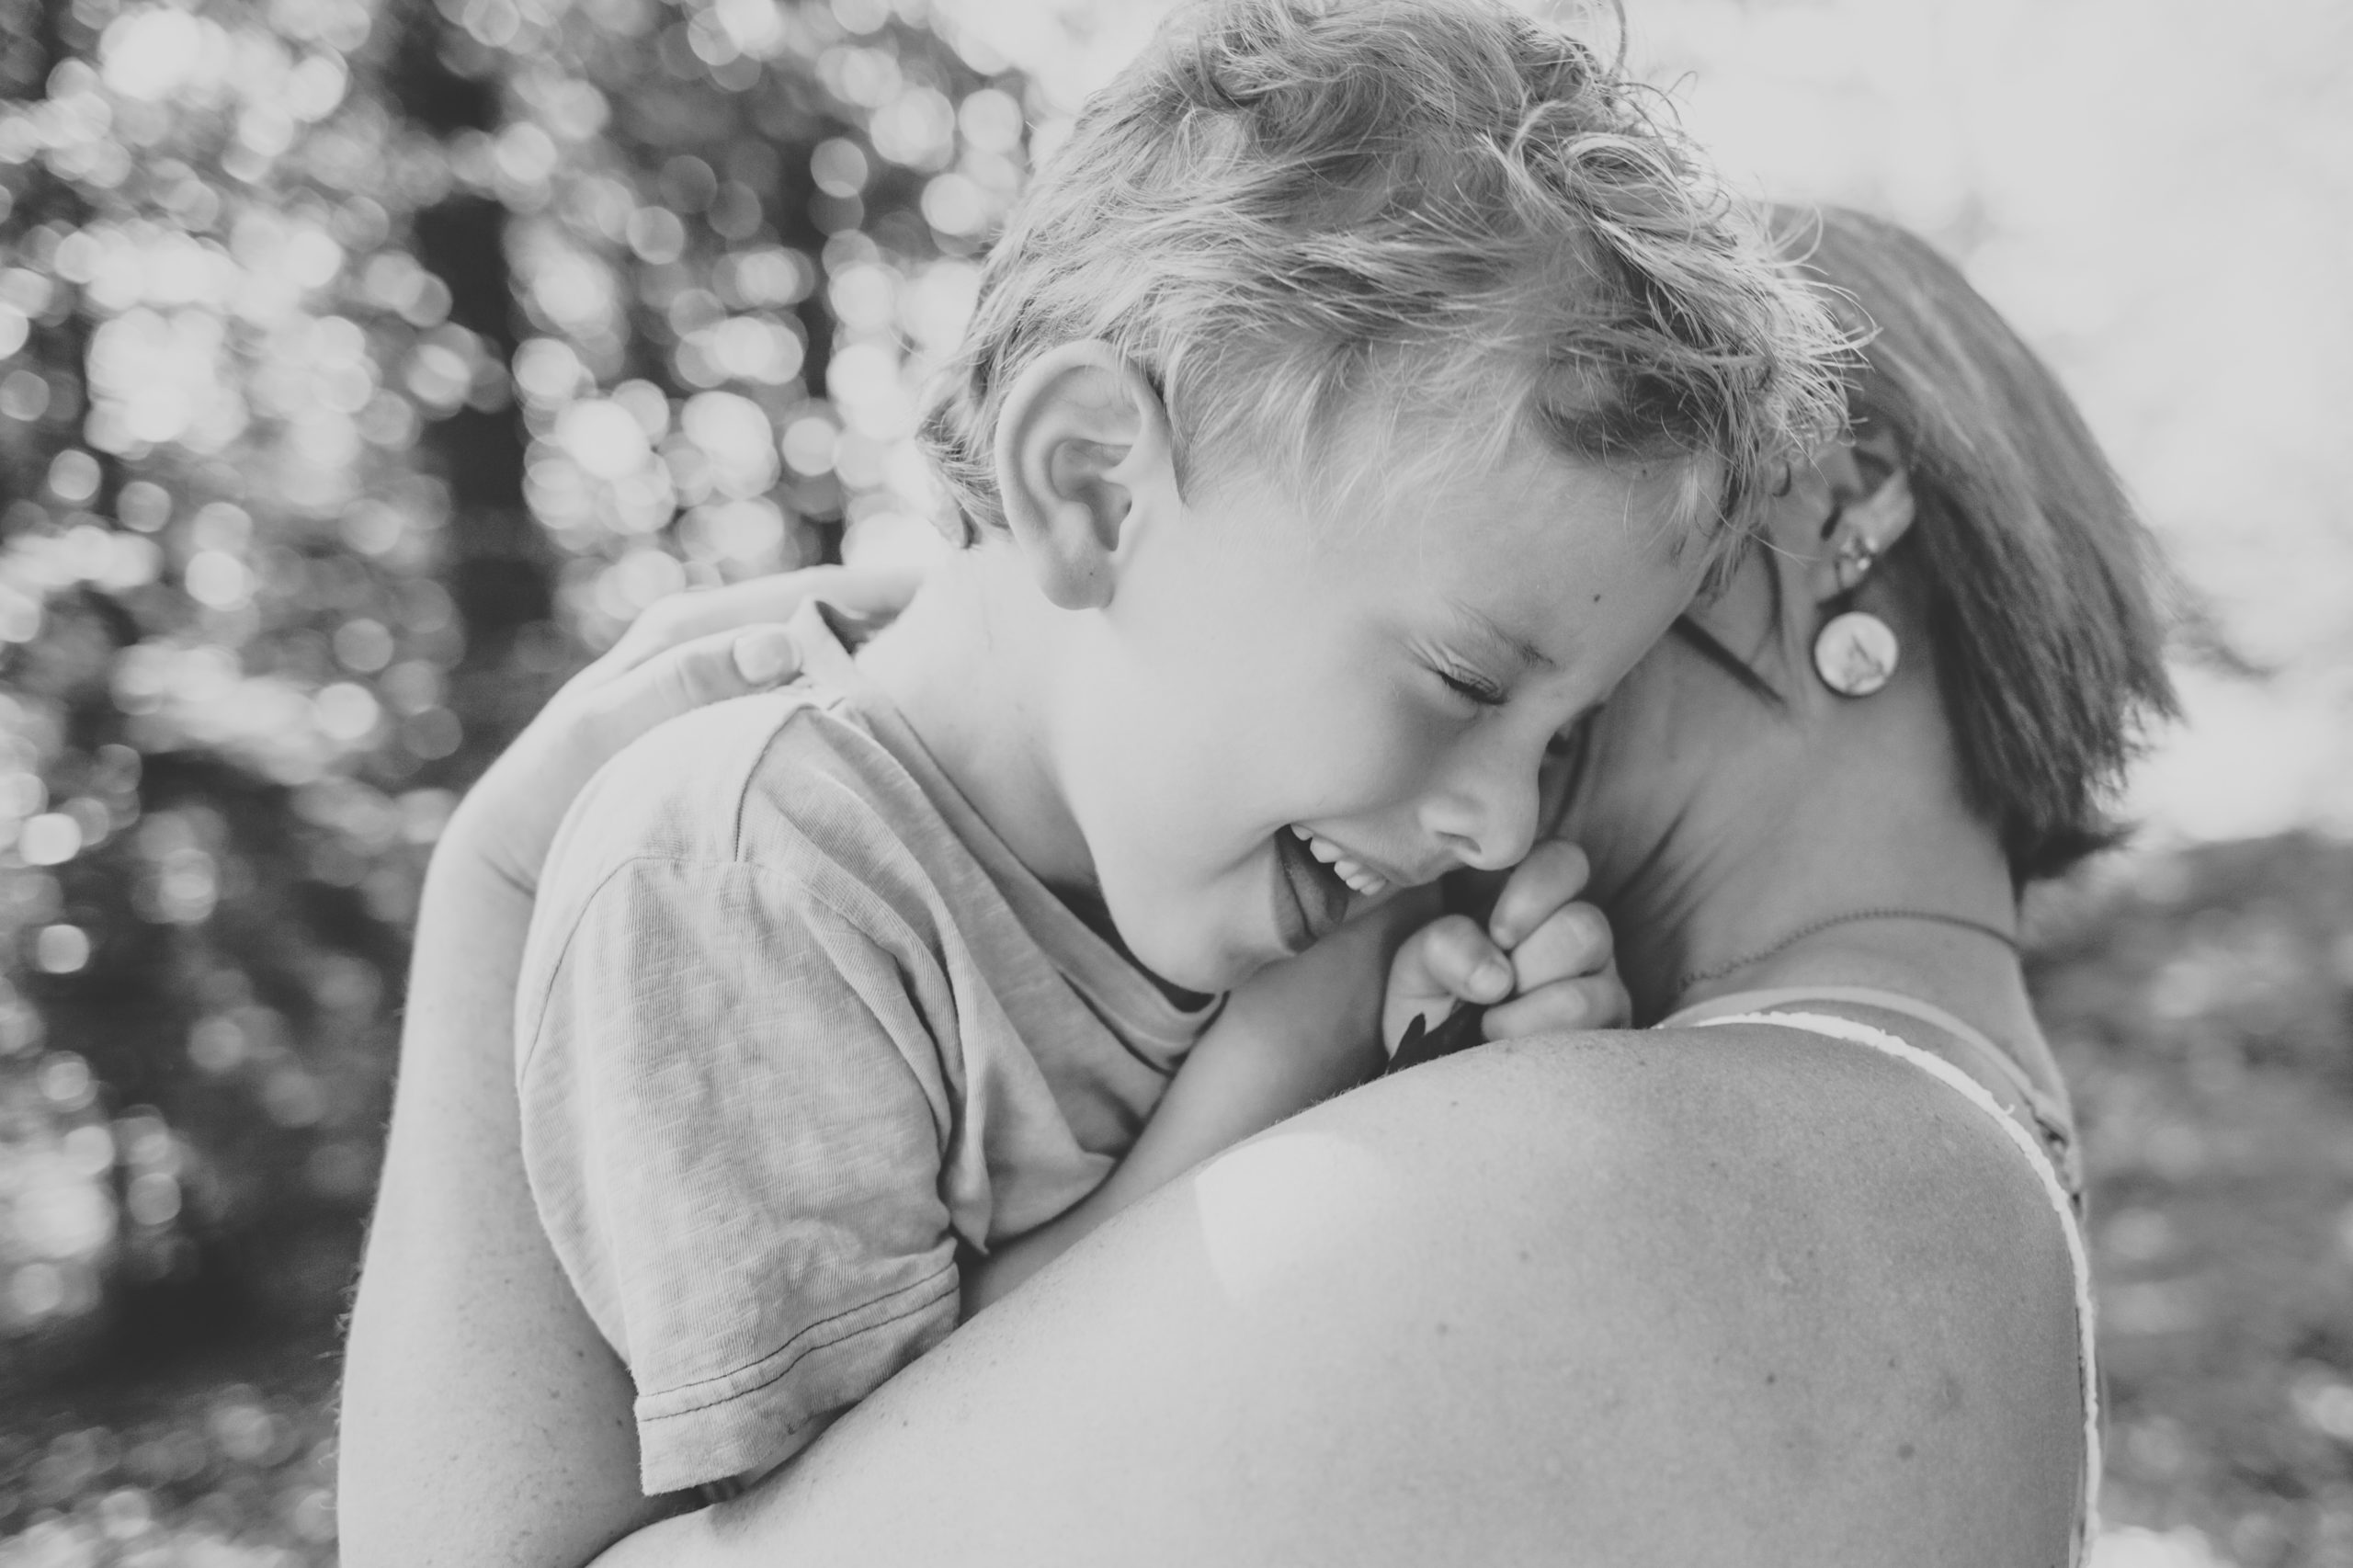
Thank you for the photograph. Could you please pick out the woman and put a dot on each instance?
(1777, 1289)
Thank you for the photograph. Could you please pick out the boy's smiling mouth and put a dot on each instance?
(1361, 880)
(1310, 900)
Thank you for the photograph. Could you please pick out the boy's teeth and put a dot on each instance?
(1348, 871)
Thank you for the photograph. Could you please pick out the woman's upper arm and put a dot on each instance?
(1723, 1297)
(484, 1418)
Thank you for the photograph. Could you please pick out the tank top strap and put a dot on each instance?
(2042, 1110)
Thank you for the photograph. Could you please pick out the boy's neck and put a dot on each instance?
(972, 666)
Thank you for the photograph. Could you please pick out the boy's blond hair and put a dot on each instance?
(1288, 211)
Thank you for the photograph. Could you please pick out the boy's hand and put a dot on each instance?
(1541, 963)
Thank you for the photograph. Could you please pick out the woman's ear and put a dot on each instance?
(1846, 517)
(1861, 528)
(1082, 438)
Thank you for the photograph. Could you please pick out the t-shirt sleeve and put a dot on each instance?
(733, 1125)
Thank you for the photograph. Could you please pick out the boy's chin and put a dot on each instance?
(1194, 966)
(1207, 977)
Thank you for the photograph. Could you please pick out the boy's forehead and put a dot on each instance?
(1535, 564)
(1470, 502)
(1458, 490)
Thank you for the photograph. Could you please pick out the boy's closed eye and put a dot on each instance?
(1471, 686)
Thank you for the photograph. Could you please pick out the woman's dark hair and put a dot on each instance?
(2038, 577)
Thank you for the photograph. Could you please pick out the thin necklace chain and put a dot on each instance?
(1961, 922)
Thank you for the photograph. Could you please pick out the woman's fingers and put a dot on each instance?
(1586, 1002)
(671, 681)
(683, 618)
(764, 655)
(1554, 872)
(511, 816)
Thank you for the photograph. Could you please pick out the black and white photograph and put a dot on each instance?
(1011, 783)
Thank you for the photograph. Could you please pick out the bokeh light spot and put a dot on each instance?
(62, 949)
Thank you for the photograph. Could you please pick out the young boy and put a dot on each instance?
(1347, 408)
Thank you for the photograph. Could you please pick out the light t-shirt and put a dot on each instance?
(794, 1027)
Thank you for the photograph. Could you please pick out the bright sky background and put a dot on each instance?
(2160, 194)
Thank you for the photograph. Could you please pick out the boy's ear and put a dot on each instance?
(1081, 436)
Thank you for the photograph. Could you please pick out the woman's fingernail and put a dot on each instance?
(1492, 977)
(761, 656)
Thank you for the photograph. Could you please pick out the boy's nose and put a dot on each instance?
(1487, 812)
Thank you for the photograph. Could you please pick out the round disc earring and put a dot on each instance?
(1855, 654)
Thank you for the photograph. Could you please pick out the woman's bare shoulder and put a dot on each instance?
(1770, 1171)
(1724, 1296)
(1843, 1278)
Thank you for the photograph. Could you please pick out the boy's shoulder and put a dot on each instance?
(794, 780)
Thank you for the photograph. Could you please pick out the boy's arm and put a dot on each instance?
(732, 1114)
(1294, 1034)
(1301, 1031)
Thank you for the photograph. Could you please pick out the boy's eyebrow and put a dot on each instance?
(1514, 648)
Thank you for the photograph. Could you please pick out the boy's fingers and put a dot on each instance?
(1587, 1002)
(1573, 940)
(1451, 956)
(1554, 872)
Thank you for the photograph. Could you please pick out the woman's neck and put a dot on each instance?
(1840, 853)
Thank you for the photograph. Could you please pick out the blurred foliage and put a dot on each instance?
(366, 370)
(2201, 1005)
(194, 1468)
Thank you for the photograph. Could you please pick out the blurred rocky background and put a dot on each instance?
(365, 364)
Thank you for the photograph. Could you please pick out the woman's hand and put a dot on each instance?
(684, 652)
(1541, 963)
